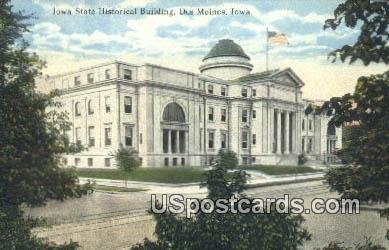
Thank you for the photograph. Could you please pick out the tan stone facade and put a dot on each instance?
(175, 118)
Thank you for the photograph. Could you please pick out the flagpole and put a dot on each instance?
(267, 49)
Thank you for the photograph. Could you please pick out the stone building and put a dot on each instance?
(179, 118)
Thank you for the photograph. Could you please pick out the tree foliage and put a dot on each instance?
(366, 154)
(127, 159)
(31, 139)
(229, 230)
(367, 174)
(366, 245)
(373, 18)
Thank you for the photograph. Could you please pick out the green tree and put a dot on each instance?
(367, 173)
(127, 160)
(372, 17)
(366, 245)
(229, 230)
(365, 152)
(32, 140)
(227, 158)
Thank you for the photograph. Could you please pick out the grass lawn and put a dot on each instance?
(162, 175)
(117, 189)
(280, 170)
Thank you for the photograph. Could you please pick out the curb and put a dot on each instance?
(284, 182)
(142, 183)
(254, 185)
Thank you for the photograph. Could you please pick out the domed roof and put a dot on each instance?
(226, 47)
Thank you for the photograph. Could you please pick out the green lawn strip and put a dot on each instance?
(161, 175)
(280, 170)
(117, 189)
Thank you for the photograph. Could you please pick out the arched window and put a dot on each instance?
(91, 111)
(173, 113)
(331, 129)
(77, 110)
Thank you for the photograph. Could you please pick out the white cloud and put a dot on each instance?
(141, 35)
(276, 15)
(135, 3)
(48, 5)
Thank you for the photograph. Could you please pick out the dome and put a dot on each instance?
(226, 60)
(226, 47)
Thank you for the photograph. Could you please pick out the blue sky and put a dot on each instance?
(68, 42)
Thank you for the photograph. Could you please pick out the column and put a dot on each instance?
(169, 142)
(269, 130)
(178, 141)
(286, 137)
(186, 140)
(293, 131)
(298, 132)
(278, 131)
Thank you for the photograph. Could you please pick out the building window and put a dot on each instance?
(303, 145)
(90, 78)
(91, 111)
(310, 145)
(210, 89)
(223, 140)
(210, 114)
(128, 135)
(174, 161)
(303, 125)
(182, 161)
(223, 115)
(77, 162)
(254, 139)
(253, 160)
(244, 115)
(244, 92)
(77, 109)
(244, 160)
(201, 139)
(310, 125)
(108, 136)
(223, 91)
(107, 105)
(245, 136)
(127, 74)
(140, 138)
(254, 92)
(107, 162)
(127, 104)
(254, 114)
(77, 81)
(90, 162)
(107, 74)
(91, 136)
(78, 136)
(166, 162)
(211, 138)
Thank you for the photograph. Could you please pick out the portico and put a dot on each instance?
(174, 135)
(284, 131)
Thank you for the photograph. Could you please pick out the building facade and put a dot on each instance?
(178, 118)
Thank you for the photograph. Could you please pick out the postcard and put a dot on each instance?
(167, 124)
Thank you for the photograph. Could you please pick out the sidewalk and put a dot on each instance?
(257, 179)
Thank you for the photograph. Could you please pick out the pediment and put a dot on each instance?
(287, 77)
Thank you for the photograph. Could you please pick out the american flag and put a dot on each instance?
(274, 37)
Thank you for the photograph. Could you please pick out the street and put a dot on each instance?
(115, 221)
